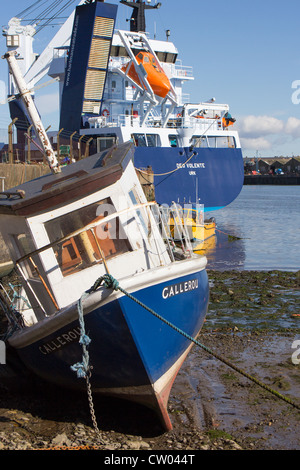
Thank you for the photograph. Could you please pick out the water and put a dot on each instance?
(267, 221)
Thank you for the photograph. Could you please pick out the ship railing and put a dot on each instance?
(214, 125)
(181, 71)
(154, 120)
(123, 120)
(117, 62)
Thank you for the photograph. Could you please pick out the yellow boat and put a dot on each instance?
(198, 229)
(206, 246)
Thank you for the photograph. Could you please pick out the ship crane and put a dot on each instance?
(35, 67)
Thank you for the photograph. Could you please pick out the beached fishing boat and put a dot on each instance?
(92, 253)
(118, 85)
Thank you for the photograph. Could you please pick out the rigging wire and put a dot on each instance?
(55, 15)
(48, 10)
(28, 9)
(44, 13)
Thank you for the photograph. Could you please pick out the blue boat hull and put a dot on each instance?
(213, 177)
(131, 350)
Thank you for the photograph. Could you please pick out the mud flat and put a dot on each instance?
(252, 321)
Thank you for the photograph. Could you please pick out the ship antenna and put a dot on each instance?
(138, 20)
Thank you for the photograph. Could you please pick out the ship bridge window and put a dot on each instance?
(75, 249)
(118, 51)
(146, 140)
(173, 140)
(167, 57)
(225, 141)
(139, 140)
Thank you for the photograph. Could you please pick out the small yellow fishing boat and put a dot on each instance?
(192, 222)
(206, 246)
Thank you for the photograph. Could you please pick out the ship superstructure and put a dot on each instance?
(118, 86)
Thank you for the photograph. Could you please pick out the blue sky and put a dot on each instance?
(243, 53)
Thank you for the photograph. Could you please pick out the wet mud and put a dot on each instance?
(253, 322)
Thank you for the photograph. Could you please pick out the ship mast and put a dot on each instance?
(10, 56)
(138, 19)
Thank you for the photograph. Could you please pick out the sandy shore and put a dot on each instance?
(252, 321)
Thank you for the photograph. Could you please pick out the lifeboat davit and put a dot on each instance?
(156, 77)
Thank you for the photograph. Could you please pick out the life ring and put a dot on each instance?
(105, 113)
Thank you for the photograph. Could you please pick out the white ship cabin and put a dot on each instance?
(65, 230)
(131, 112)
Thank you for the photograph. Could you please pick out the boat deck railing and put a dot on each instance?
(155, 121)
(180, 71)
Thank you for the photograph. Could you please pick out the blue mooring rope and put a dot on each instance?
(83, 368)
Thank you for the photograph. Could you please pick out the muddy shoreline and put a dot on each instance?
(252, 321)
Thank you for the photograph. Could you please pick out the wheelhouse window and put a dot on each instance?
(152, 140)
(139, 140)
(76, 249)
(168, 57)
(146, 140)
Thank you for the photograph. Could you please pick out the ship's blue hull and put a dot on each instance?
(213, 177)
(130, 349)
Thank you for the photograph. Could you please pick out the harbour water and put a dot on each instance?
(260, 230)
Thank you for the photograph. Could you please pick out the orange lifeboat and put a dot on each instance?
(156, 77)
